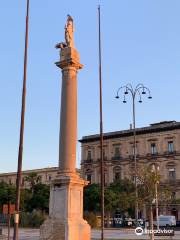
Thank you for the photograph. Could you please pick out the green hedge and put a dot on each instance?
(34, 219)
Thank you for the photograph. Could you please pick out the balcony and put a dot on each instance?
(87, 161)
(116, 158)
(132, 156)
(104, 158)
(170, 153)
(152, 155)
(172, 181)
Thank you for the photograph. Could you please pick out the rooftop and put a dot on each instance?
(154, 127)
(39, 170)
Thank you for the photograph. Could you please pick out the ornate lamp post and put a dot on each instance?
(138, 91)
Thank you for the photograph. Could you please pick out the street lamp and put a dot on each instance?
(155, 169)
(139, 90)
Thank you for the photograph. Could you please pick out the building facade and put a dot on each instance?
(157, 144)
(46, 174)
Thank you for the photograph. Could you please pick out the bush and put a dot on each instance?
(90, 217)
(34, 219)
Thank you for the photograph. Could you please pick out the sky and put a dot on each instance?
(140, 44)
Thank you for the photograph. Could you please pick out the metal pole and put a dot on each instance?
(156, 196)
(101, 131)
(9, 219)
(151, 220)
(157, 208)
(20, 153)
(135, 159)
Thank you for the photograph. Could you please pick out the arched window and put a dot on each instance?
(117, 173)
(172, 174)
(88, 175)
(171, 171)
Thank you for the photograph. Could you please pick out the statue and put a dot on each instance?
(69, 29)
(69, 36)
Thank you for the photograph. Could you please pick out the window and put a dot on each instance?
(89, 155)
(133, 150)
(117, 176)
(88, 177)
(172, 174)
(116, 152)
(170, 146)
(117, 173)
(153, 148)
(49, 177)
(173, 196)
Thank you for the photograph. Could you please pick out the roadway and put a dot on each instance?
(125, 234)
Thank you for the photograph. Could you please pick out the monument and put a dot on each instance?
(65, 220)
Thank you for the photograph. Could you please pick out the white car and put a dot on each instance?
(166, 221)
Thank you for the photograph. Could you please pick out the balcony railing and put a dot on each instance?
(104, 158)
(87, 161)
(170, 152)
(116, 158)
(152, 155)
(132, 156)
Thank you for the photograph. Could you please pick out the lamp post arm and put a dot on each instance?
(148, 90)
(129, 86)
(138, 91)
(140, 85)
(120, 89)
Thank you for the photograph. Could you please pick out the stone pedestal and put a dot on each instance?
(65, 220)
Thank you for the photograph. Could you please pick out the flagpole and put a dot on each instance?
(101, 130)
(20, 153)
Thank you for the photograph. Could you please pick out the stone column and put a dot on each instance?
(65, 220)
(69, 63)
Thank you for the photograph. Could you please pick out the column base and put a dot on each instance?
(65, 220)
(55, 229)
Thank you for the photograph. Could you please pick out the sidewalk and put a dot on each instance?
(125, 234)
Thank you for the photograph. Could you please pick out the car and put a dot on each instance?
(178, 223)
(166, 221)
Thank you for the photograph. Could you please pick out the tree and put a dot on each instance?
(146, 189)
(92, 198)
(125, 194)
(40, 198)
(7, 193)
(110, 202)
(118, 195)
(33, 179)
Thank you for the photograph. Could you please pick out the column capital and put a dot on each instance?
(69, 57)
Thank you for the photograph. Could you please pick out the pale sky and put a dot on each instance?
(140, 43)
